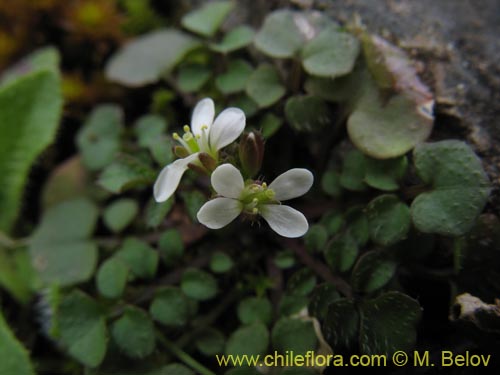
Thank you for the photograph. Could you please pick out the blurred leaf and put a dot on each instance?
(173, 369)
(148, 128)
(193, 201)
(385, 174)
(246, 104)
(388, 219)
(82, 328)
(125, 173)
(17, 274)
(255, 309)
(134, 333)
(67, 181)
(357, 225)
(372, 271)
(139, 257)
(235, 78)
(220, 262)
(292, 304)
(111, 278)
(192, 78)
(141, 17)
(459, 188)
(284, 32)
(99, 138)
(330, 54)
(316, 237)
(353, 171)
(120, 213)
(161, 150)
(171, 246)
(170, 307)
(25, 103)
(307, 113)
(270, 124)
(264, 86)
(340, 89)
(156, 212)
(342, 252)
(15, 358)
(248, 340)
(284, 259)
(380, 316)
(341, 325)
(146, 58)
(60, 248)
(235, 39)
(207, 19)
(330, 183)
(385, 128)
(332, 221)
(294, 335)
(322, 296)
(198, 284)
(302, 282)
(210, 342)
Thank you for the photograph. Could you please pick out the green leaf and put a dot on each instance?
(17, 275)
(220, 262)
(307, 113)
(264, 86)
(255, 309)
(270, 124)
(459, 188)
(148, 128)
(322, 296)
(193, 201)
(134, 333)
(207, 19)
(170, 307)
(330, 54)
(119, 214)
(316, 237)
(385, 174)
(330, 183)
(341, 325)
(192, 78)
(284, 259)
(60, 249)
(235, 78)
(357, 225)
(198, 284)
(340, 89)
(25, 103)
(237, 38)
(353, 171)
(292, 304)
(146, 58)
(301, 282)
(248, 340)
(295, 335)
(156, 212)
(342, 252)
(125, 173)
(385, 128)
(332, 221)
(380, 316)
(112, 277)
(82, 328)
(99, 138)
(139, 257)
(210, 342)
(246, 104)
(171, 246)
(372, 271)
(284, 32)
(15, 359)
(161, 150)
(388, 219)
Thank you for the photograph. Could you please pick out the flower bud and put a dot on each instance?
(251, 153)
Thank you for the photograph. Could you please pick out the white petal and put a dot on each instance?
(285, 220)
(203, 114)
(226, 128)
(170, 176)
(227, 181)
(292, 184)
(219, 212)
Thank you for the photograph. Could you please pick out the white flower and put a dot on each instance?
(205, 135)
(235, 198)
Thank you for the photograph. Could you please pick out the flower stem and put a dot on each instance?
(183, 356)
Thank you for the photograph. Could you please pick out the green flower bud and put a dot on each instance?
(251, 153)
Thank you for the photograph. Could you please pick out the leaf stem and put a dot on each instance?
(183, 356)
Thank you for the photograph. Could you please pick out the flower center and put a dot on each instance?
(254, 196)
(195, 143)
